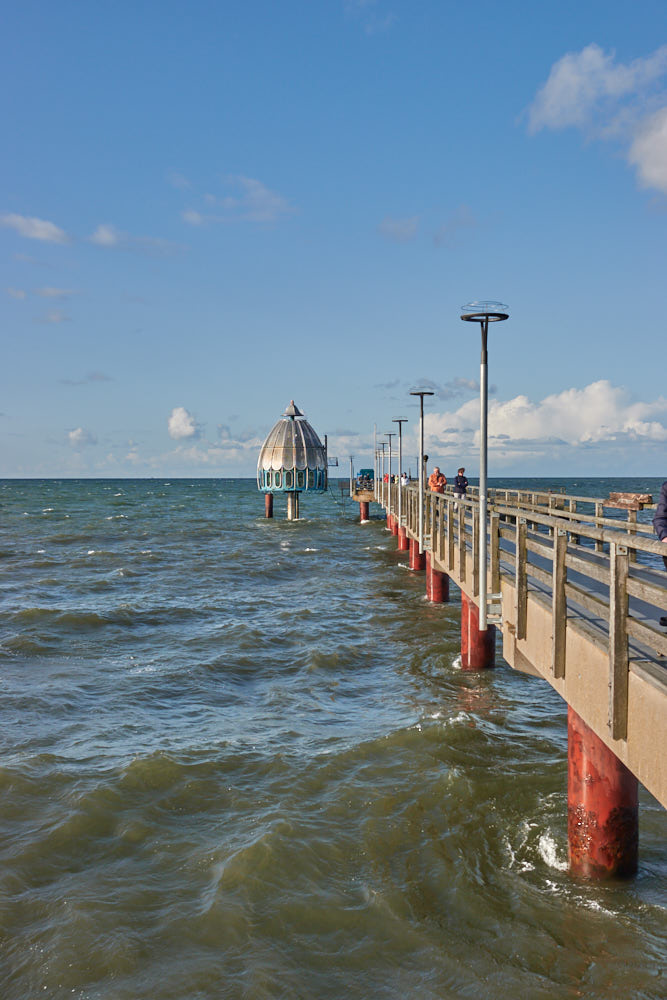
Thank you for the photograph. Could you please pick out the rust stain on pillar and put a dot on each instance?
(602, 806)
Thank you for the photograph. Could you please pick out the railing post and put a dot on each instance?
(475, 552)
(599, 511)
(521, 577)
(618, 640)
(558, 604)
(462, 542)
(494, 526)
(450, 536)
(632, 530)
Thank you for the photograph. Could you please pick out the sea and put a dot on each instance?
(239, 759)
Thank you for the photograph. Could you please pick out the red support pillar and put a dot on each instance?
(363, 510)
(389, 519)
(478, 649)
(437, 583)
(417, 559)
(403, 542)
(602, 806)
(394, 525)
(268, 504)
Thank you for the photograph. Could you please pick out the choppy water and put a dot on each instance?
(239, 760)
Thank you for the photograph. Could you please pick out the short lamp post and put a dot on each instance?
(421, 393)
(483, 312)
(400, 421)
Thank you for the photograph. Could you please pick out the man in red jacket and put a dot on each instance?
(437, 481)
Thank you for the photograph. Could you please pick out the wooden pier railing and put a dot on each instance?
(577, 588)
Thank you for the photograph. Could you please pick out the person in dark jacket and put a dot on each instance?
(660, 526)
(460, 483)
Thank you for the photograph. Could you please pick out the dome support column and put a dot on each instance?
(268, 504)
(292, 506)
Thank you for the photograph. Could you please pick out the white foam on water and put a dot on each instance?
(456, 662)
(367, 521)
(548, 852)
(47, 510)
(91, 552)
(41, 551)
(311, 550)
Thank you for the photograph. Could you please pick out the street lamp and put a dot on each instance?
(421, 393)
(351, 475)
(390, 435)
(382, 444)
(483, 312)
(400, 421)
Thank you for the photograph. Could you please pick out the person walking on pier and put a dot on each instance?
(437, 481)
(660, 526)
(460, 484)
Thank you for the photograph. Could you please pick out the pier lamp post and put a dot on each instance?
(483, 312)
(390, 435)
(351, 475)
(421, 393)
(382, 445)
(400, 421)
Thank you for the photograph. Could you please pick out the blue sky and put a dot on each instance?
(209, 209)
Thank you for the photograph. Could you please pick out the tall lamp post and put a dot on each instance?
(382, 444)
(400, 421)
(351, 475)
(421, 393)
(390, 435)
(483, 312)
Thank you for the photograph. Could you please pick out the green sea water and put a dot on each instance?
(238, 759)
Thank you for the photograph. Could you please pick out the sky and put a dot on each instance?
(207, 210)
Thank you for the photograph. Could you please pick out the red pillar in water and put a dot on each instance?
(437, 583)
(363, 510)
(602, 806)
(268, 504)
(417, 558)
(394, 525)
(403, 542)
(478, 649)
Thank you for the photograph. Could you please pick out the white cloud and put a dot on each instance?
(399, 230)
(55, 316)
(177, 180)
(53, 293)
(109, 237)
(605, 99)
(248, 200)
(81, 438)
(648, 152)
(16, 293)
(34, 229)
(182, 424)
(194, 218)
(597, 415)
(105, 236)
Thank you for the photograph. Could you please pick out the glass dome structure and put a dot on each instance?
(292, 458)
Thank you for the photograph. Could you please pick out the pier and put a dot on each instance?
(573, 590)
